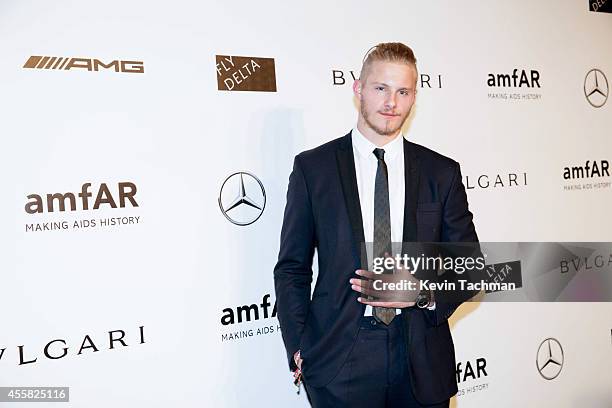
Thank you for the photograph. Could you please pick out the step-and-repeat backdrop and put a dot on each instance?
(146, 149)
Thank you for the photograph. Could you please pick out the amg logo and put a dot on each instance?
(588, 170)
(515, 80)
(127, 191)
(90, 64)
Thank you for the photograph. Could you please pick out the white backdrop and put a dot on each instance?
(172, 133)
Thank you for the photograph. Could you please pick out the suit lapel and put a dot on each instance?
(348, 179)
(411, 197)
(411, 177)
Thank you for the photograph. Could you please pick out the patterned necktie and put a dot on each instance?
(382, 226)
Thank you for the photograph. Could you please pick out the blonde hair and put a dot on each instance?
(389, 52)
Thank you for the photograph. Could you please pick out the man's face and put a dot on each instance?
(386, 96)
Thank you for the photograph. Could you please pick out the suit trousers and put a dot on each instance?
(374, 375)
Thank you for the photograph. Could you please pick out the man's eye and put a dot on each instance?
(380, 88)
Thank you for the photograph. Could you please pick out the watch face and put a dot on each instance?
(422, 301)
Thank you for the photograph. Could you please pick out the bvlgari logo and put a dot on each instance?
(245, 73)
(89, 64)
(495, 181)
(60, 348)
(596, 88)
(549, 360)
(347, 77)
(242, 198)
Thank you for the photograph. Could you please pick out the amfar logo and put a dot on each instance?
(549, 360)
(575, 175)
(340, 77)
(517, 79)
(504, 180)
(601, 6)
(589, 170)
(124, 196)
(516, 83)
(242, 198)
(245, 73)
(90, 64)
(596, 88)
(471, 371)
(247, 313)
(126, 191)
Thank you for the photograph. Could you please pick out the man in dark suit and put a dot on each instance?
(370, 185)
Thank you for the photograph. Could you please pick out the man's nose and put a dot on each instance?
(390, 101)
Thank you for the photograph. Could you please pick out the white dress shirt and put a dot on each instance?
(366, 165)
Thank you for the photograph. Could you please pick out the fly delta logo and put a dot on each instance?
(89, 64)
(518, 85)
(245, 314)
(504, 273)
(596, 88)
(105, 199)
(578, 178)
(425, 80)
(245, 73)
(600, 6)
(550, 359)
(242, 198)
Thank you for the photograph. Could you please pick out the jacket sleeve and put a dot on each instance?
(457, 226)
(293, 271)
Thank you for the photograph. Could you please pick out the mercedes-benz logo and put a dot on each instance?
(596, 88)
(243, 202)
(549, 360)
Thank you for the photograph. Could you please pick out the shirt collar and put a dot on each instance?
(365, 148)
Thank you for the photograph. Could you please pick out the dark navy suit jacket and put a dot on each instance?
(323, 212)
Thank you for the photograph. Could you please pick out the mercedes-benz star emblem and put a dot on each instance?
(244, 199)
(596, 88)
(549, 360)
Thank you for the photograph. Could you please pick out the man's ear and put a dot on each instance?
(357, 89)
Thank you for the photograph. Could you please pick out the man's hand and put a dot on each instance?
(297, 359)
(398, 299)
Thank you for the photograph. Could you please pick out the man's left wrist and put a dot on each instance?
(424, 299)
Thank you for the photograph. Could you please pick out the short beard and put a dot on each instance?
(386, 131)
